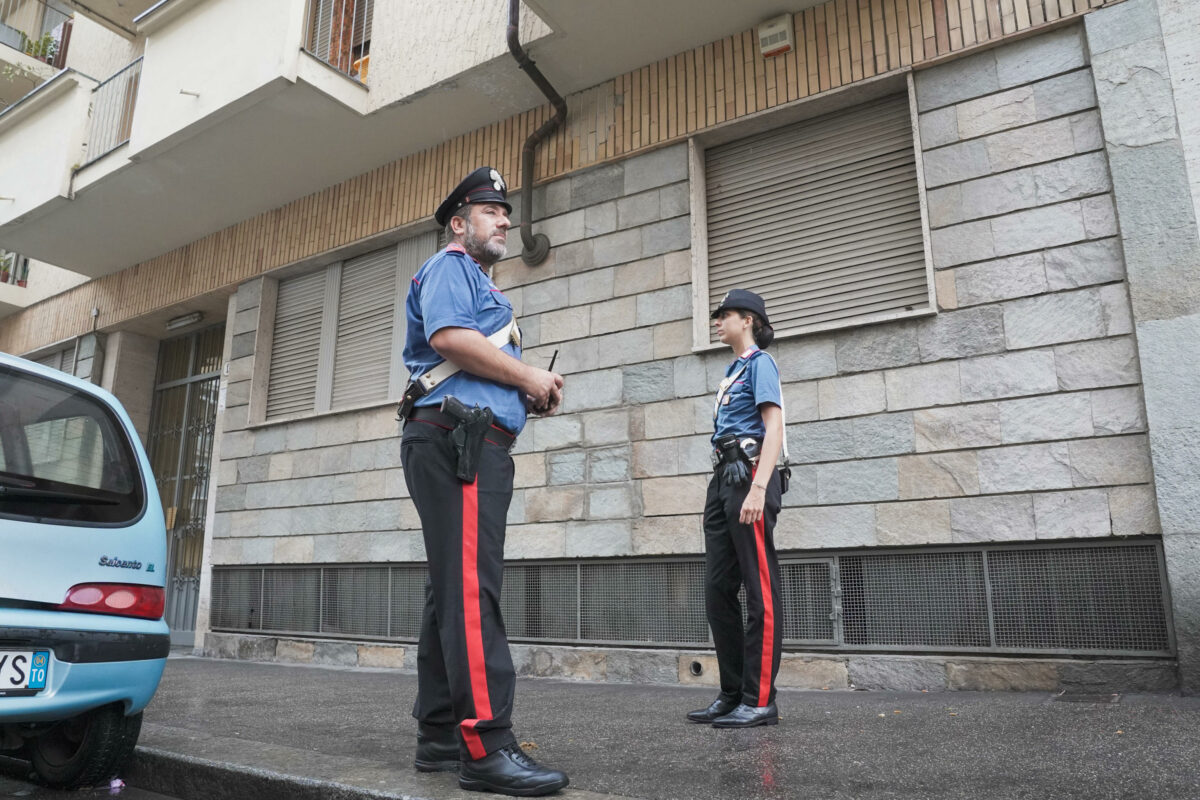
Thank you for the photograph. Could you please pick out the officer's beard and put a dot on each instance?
(482, 249)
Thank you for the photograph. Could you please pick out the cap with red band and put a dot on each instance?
(484, 185)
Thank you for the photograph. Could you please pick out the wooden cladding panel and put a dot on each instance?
(838, 42)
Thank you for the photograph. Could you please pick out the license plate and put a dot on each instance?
(23, 670)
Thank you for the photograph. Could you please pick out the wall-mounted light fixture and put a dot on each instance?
(175, 323)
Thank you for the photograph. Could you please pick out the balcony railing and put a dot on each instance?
(14, 268)
(112, 111)
(339, 33)
(37, 28)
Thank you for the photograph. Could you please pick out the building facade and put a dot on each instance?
(974, 222)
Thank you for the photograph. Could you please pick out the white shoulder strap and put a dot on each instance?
(724, 386)
(447, 369)
(782, 410)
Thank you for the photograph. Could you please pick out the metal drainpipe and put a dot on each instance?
(536, 248)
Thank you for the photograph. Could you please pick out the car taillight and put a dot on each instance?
(116, 598)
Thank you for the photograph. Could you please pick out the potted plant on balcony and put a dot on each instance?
(43, 49)
(6, 265)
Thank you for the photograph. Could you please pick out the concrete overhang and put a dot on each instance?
(117, 15)
(295, 137)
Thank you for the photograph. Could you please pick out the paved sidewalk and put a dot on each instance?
(235, 729)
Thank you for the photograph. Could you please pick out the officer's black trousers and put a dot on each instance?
(465, 677)
(737, 554)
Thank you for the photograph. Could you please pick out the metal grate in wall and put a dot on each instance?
(1067, 598)
(915, 599)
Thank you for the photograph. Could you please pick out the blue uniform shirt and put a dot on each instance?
(450, 290)
(738, 412)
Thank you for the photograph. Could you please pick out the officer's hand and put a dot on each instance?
(540, 384)
(548, 408)
(752, 508)
(555, 400)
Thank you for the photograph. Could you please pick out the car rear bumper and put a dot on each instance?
(95, 660)
(89, 647)
(72, 689)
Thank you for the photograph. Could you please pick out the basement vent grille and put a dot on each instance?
(1066, 598)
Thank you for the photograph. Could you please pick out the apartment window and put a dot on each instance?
(14, 268)
(62, 359)
(822, 218)
(339, 33)
(339, 332)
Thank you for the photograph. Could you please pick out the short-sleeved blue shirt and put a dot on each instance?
(451, 290)
(738, 412)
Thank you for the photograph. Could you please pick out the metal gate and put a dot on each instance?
(180, 448)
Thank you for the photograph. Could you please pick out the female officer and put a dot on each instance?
(739, 517)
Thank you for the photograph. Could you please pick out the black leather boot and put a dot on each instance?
(719, 708)
(745, 716)
(509, 771)
(436, 753)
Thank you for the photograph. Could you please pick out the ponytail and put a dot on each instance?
(763, 334)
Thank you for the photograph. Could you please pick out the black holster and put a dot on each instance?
(412, 393)
(471, 426)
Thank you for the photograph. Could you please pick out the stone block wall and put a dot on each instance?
(928, 673)
(323, 489)
(1015, 413)
(1144, 57)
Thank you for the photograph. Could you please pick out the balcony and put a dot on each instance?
(236, 108)
(24, 282)
(338, 32)
(35, 35)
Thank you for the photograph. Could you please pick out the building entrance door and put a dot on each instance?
(180, 447)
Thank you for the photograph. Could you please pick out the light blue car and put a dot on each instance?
(82, 559)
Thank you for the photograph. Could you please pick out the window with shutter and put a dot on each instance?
(295, 352)
(366, 316)
(63, 360)
(411, 254)
(822, 218)
(339, 332)
(327, 22)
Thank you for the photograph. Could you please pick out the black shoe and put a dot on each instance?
(509, 771)
(745, 716)
(719, 708)
(436, 755)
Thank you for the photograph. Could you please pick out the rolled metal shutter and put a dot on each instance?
(822, 218)
(292, 381)
(366, 314)
(410, 255)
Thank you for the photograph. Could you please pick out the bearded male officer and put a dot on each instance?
(460, 476)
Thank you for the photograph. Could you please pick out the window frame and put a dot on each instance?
(842, 99)
(327, 342)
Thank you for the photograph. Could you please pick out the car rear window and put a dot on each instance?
(64, 456)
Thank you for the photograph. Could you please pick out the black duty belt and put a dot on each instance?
(433, 416)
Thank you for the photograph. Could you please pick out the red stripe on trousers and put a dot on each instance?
(471, 618)
(768, 634)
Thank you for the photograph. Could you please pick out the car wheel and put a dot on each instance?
(85, 750)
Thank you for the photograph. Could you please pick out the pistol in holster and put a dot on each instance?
(470, 428)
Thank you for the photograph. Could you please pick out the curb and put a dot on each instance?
(192, 778)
